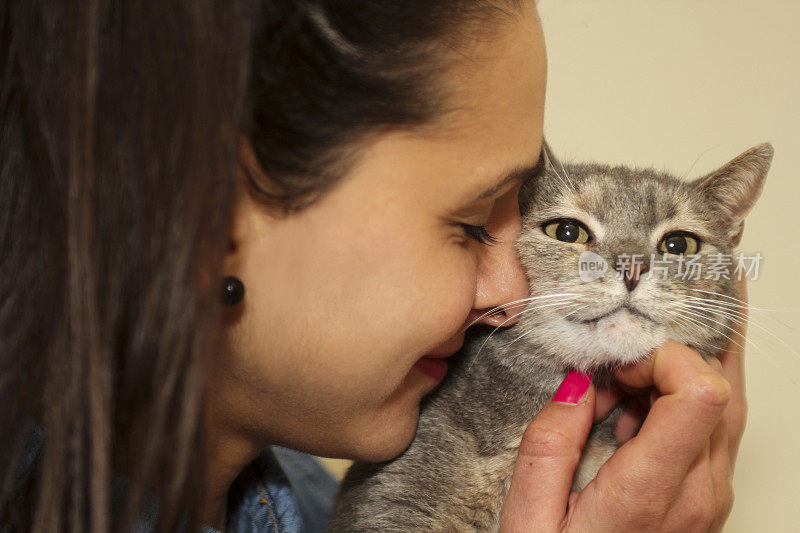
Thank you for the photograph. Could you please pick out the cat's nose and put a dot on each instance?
(631, 273)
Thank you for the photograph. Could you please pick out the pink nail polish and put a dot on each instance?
(573, 387)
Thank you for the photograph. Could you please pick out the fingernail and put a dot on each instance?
(573, 387)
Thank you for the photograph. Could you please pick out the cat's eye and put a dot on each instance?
(679, 243)
(567, 230)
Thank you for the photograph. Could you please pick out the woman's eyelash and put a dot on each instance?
(479, 233)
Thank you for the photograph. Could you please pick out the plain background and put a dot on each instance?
(686, 85)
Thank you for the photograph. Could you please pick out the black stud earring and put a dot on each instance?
(233, 291)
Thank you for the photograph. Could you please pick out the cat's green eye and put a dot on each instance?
(567, 230)
(679, 243)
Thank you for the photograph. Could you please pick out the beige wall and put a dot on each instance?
(673, 82)
(689, 84)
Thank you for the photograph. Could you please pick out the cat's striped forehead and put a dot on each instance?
(620, 200)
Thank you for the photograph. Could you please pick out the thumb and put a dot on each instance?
(548, 455)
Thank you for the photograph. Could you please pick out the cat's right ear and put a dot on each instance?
(736, 186)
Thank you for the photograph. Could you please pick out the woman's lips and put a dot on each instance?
(433, 365)
(436, 355)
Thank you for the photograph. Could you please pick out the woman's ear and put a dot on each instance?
(249, 217)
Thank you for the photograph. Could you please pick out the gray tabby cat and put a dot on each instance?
(455, 474)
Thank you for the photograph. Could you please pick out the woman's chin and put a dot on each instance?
(381, 431)
(386, 437)
(384, 433)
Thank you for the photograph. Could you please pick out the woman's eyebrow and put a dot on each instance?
(519, 173)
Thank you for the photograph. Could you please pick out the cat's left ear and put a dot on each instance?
(736, 186)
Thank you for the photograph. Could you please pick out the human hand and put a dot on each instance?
(674, 475)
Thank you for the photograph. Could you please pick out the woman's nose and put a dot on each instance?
(501, 281)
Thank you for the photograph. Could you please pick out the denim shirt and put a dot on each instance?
(280, 491)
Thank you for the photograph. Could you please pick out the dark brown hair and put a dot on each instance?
(119, 130)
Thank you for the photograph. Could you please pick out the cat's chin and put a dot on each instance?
(619, 338)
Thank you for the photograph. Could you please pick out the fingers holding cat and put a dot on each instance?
(635, 404)
(732, 360)
(705, 496)
(606, 399)
(721, 463)
(675, 475)
(692, 399)
(548, 456)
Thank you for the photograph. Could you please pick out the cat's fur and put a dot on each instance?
(455, 474)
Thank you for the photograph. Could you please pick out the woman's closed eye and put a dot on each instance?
(499, 205)
(479, 234)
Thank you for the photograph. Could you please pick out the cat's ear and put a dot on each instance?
(736, 186)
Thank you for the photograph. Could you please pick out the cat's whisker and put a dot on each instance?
(742, 305)
(515, 316)
(549, 304)
(581, 308)
(528, 299)
(562, 179)
(674, 316)
(566, 174)
(704, 317)
(524, 333)
(730, 339)
(736, 316)
(754, 322)
(717, 307)
(724, 311)
(517, 303)
(732, 298)
(576, 310)
(766, 312)
(526, 310)
(755, 345)
(776, 319)
(688, 312)
(718, 294)
(531, 309)
(724, 303)
(498, 327)
(686, 316)
(686, 175)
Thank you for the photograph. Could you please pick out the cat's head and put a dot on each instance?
(579, 218)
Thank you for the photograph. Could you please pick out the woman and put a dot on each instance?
(348, 173)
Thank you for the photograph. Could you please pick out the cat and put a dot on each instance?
(456, 472)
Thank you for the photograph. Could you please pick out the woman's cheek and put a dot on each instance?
(457, 284)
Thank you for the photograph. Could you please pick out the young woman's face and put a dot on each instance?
(344, 299)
